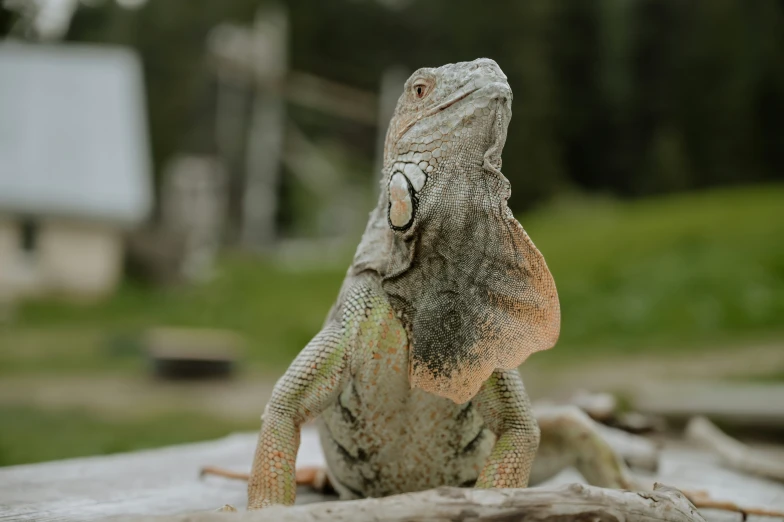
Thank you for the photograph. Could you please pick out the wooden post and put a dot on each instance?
(392, 82)
(231, 119)
(194, 209)
(258, 57)
(267, 128)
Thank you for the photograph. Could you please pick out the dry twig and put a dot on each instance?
(734, 453)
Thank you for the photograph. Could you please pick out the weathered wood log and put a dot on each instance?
(636, 422)
(637, 451)
(573, 502)
(737, 403)
(192, 353)
(734, 453)
(599, 406)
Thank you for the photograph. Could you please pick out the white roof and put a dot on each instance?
(73, 133)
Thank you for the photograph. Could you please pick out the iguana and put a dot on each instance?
(413, 376)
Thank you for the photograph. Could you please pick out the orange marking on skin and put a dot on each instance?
(377, 355)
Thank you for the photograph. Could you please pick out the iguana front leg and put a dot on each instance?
(506, 410)
(309, 385)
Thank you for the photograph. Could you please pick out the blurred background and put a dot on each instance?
(182, 185)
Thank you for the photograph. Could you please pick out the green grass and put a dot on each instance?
(692, 269)
(688, 270)
(27, 433)
(276, 309)
(775, 377)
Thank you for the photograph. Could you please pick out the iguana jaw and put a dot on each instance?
(408, 176)
(448, 103)
(477, 115)
(451, 91)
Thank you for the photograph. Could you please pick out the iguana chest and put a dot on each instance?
(382, 437)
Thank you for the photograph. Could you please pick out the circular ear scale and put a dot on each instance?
(402, 202)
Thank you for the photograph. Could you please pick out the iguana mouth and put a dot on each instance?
(451, 101)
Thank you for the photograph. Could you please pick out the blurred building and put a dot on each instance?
(75, 168)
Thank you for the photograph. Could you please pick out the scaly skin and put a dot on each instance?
(414, 374)
(379, 435)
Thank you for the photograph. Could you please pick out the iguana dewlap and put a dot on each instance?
(414, 374)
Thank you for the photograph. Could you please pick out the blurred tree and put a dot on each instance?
(7, 19)
(627, 96)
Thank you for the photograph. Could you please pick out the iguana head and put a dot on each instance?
(440, 112)
(473, 290)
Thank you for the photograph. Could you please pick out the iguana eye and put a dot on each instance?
(420, 90)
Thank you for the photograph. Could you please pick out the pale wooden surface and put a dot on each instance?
(159, 481)
(165, 481)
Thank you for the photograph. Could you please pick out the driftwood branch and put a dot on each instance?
(734, 453)
(638, 452)
(573, 502)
